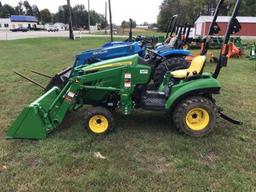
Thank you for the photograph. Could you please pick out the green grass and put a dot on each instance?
(145, 153)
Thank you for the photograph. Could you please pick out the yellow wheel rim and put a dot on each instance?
(197, 119)
(98, 124)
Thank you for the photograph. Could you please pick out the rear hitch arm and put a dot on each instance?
(229, 119)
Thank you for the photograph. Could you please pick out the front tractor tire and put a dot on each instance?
(195, 116)
(169, 65)
(98, 121)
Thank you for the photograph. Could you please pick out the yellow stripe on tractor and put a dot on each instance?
(110, 65)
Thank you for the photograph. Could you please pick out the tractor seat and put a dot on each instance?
(195, 68)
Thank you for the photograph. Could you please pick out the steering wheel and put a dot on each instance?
(156, 54)
(133, 39)
(145, 41)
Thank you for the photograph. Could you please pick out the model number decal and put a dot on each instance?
(143, 71)
(99, 52)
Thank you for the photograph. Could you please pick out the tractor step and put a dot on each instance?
(153, 100)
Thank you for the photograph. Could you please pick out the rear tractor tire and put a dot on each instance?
(195, 116)
(169, 65)
(99, 121)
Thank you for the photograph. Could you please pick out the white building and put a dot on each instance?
(23, 21)
(61, 26)
(16, 21)
(142, 27)
(5, 23)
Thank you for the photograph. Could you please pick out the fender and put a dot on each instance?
(172, 52)
(204, 86)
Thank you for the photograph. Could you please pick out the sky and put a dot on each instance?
(139, 10)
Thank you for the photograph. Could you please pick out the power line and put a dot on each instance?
(89, 19)
(110, 20)
(106, 13)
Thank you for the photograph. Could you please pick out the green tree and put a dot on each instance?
(248, 8)
(62, 14)
(19, 9)
(6, 11)
(96, 18)
(28, 8)
(80, 16)
(35, 11)
(45, 16)
(124, 24)
(134, 24)
(190, 10)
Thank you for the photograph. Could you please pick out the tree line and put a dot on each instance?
(126, 24)
(190, 10)
(79, 14)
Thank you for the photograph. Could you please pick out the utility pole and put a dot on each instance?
(71, 34)
(106, 13)
(89, 19)
(110, 20)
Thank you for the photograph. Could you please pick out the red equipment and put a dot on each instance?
(234, 51)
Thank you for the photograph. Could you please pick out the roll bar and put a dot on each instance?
(171, 26)
(187, 34)
(233, 28)
(213, 29)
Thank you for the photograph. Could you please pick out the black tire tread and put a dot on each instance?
(182, 107)
(99, 111)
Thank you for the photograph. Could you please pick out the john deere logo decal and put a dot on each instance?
(144, 71)
(110, 65)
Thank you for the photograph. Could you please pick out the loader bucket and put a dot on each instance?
(34, 122)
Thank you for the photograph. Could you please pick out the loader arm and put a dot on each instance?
(92, 85)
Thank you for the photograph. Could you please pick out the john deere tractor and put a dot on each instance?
(122, 84)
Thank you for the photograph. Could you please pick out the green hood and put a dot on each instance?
(111, 63)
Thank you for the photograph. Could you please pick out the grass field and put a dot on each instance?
(135, 32)
(145, 153)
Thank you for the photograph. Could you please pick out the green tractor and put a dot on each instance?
(122, 84)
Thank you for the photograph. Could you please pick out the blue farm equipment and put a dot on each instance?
(161, 60)
(169, 56)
